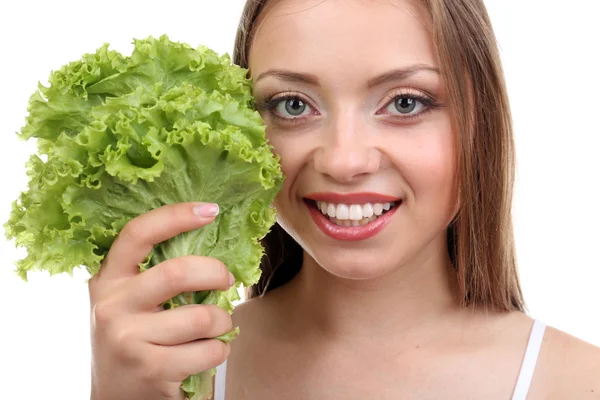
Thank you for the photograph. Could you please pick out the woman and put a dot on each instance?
(391, 273)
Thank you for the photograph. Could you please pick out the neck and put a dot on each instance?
(402, 303)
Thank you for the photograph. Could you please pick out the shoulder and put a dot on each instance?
(567, 368)
(250, 363)
(256, 320)
(260, 313)
(249, 313)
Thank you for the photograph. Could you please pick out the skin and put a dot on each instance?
(371, 319)
(138, 350)
(375, 318)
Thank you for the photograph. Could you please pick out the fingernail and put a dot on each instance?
(206, 210)
(231, 279)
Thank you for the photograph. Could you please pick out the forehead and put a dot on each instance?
(341, 36)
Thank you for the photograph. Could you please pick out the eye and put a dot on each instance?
(405, 104)
(408, 106)
(292, 106)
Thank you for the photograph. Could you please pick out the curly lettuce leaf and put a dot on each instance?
(121, 136)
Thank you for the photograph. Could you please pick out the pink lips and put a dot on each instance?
(350, 233)
(352, 198)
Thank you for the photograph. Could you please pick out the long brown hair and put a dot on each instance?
(480, 238)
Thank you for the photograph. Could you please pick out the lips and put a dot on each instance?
(352, 198)
(350, 233)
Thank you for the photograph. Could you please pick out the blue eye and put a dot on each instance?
(404, 104)
(293, 106)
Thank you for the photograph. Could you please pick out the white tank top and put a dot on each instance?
(521, 389)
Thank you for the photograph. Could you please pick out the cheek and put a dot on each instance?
(293, 151)
(290, 166)
(431, 164)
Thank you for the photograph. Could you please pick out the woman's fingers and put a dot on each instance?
(176, 363)
(136, 239)
(184, 324)
(158, 284)
(137, 347)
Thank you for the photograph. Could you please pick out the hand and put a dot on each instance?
(139, 350)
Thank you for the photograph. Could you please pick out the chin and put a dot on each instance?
(397, 243)
(356, 264)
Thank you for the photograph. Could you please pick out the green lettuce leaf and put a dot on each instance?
(119, 136)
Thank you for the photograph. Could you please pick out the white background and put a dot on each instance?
(550, 53)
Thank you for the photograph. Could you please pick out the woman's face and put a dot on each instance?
(356, 110)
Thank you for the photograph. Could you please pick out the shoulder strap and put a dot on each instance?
(220, 380)
(529, 361)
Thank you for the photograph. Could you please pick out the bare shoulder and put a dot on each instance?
(250, 363)
(255, 319)
(258, 312)
(247, 346)
(245, 317)
(249, 312)
(567, 368)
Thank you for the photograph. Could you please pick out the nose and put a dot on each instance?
(347, 151)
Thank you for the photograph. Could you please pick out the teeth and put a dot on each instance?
(356, 212)
(353, 212)
(377, 208)
(331, 210)
(367, 211)
(341, 212)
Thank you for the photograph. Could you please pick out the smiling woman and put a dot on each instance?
(394, 121)
(392, 272)
(393, 126)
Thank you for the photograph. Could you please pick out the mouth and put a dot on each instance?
(352, 214)
(347, 221)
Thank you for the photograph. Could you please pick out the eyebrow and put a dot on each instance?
(393, 75)
(290, 76)
(400, 74)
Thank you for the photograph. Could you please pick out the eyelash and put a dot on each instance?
(429, 104)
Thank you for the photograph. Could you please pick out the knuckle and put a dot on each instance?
(122, 339)
(202, 319)
(152, 372)
(103, 313)
(175, 212)
(133, 230)
(154, 367)
(174, 271)
(169, 390)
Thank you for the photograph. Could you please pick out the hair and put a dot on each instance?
(480, 238)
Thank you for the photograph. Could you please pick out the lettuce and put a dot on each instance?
(118, 136)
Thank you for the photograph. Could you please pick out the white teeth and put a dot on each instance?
(348, 222)
(377, 208)
(367, 210)
(331, 210)
(341, 212)
(353, 212)
(356, 212)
